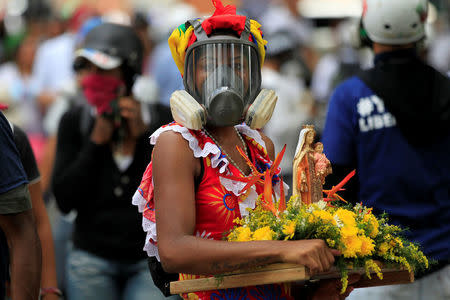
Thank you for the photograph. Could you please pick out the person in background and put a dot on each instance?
(144, 91)
(392, 123)
(294, 107)
(17, 221)
(17, 91)
(102, 150)
(62, 224)
(49, 290)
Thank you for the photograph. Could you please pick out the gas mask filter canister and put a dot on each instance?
(225, 104)
(189, 113)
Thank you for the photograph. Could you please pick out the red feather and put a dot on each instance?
(340, 184)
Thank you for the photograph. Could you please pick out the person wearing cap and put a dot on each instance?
(102, 150)
(392, 123)
(62, 225)
(189, 194)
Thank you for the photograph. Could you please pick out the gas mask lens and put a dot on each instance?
(224, 76)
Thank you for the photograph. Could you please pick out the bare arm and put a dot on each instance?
(45, 235)
(174, 170)
(25, 251)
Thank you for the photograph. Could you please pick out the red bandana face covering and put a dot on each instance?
(101, 90)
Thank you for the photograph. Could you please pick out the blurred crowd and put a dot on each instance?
(312, 46)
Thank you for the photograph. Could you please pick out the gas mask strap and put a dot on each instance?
(198, 29)
(246, 32)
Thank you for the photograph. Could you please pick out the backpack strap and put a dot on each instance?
(246, 32)
(198, 29)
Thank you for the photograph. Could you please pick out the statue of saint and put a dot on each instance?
(307, 184)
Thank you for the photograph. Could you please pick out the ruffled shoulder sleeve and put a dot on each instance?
(143, 199)
(201, 146)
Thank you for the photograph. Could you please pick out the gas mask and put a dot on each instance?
(222, 79)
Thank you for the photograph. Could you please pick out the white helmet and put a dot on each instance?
(394, 22)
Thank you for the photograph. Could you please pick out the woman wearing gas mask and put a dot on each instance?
(102, 150)
(188, 196)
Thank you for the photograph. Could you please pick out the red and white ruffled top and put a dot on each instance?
(219, 200)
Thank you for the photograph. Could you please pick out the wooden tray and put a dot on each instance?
(278, 273)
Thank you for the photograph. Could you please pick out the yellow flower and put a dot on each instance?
(331, 243)
(323, 215)
(383, 248)
(289, 229)
(424, 259)
(238, 221)
(401, 260)
(396, 242)
(263, 234)
(372, 220)
(344, 282)
(347, 231)
(242, 234)
(367, 246)
(371, 265)
(347, 217)
(352, 246)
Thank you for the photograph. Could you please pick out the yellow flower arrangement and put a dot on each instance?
(362, 237)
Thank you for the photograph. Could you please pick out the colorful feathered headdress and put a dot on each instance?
(223, 18)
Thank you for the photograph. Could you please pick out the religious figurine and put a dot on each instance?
(306, 185)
